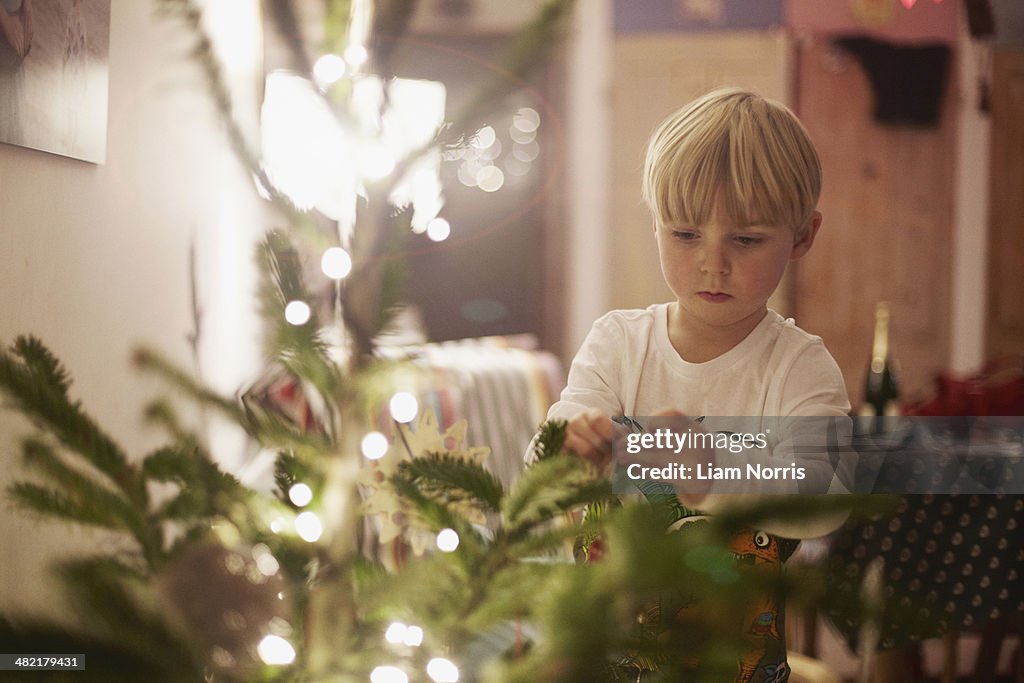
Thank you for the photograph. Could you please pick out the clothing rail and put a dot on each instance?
(502, 386)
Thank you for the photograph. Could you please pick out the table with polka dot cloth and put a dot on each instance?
(951, 563)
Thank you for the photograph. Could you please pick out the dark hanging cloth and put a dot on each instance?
(907, 82)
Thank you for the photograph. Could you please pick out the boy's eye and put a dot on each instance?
(748, 240)
(684, 235)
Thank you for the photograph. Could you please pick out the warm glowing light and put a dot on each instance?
(328, 69)
(520, 136)
(300, 494)
(309, 527)
(490, 178)
(356, 55)
(492, 152)
(375, 160)
(526, 119)
(297, 312)
(413, 636)
(467, 173)
(374, 445)
(277, 526)
(404, 406)
(388, 674)
(395, 633)
(275, 650)
(266, 563)
(447, 540)
(307, 154)
(526, 152)
(484, 138)
(438, 230)
(336, 263)
(442, 670)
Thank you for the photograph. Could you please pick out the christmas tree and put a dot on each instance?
(213, 580)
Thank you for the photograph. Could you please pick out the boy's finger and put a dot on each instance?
(600, 424)
(586, 439)
(589, 447)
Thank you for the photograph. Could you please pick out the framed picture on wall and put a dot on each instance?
(53, 76)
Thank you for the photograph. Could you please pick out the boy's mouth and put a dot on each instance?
(714, 297)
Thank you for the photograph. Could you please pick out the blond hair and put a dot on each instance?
(735, 147)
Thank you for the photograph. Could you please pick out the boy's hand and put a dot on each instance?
(693, 491)
(589, 435)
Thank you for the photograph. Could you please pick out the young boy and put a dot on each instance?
(732, 181)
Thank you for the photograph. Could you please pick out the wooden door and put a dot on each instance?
(887, 233)
(1005, 329)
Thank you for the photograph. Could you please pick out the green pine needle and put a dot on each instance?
(84, 491)
(454, 478)
(549, 488)
(44, 366)
(37, 386)
(53, 503)
(437, 515)
(298, 347)
(151, 361)
(550, 439)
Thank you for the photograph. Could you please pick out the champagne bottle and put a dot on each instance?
(882, 389)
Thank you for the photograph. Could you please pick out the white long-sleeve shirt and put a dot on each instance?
(628, 366)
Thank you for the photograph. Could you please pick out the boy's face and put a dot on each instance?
(723, 274)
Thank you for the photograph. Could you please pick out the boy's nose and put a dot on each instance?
(714, 261)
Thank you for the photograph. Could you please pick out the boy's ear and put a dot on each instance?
(803, 244)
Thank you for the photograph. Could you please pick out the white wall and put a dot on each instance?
(587, 170)
(94, 259)
(969, 294)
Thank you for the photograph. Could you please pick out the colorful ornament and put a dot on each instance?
(411, 442)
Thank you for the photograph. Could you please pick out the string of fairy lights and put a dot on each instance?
(274, 649)
(322, 161)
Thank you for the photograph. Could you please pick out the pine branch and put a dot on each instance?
(549, 440)
(276, 433)
(38, 391)
(548, 488)
(439, 516)
(162, 413)
(454, 478)
(374, 288)
(550, 541)
(391, 286)
(151, 361)
(298, 347)
(44, 366)
(83, 491)
(53, 503)
(336, 20)
(204, 489)
(512, 595)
